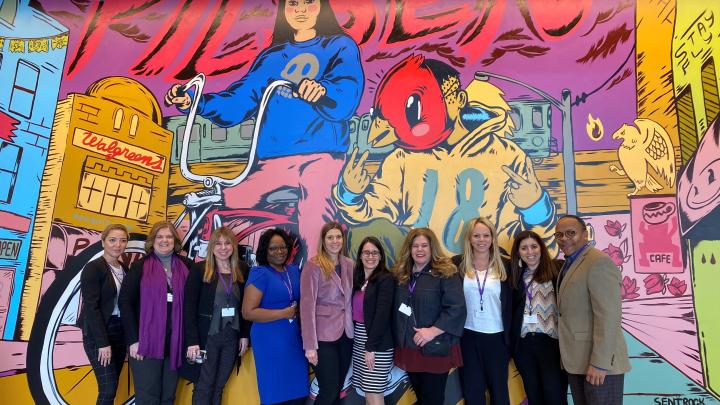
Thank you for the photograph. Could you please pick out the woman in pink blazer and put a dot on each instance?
(326, 313)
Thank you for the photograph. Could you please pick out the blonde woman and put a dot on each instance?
(429, 313)
(213, 318)
(488, 297)
(326, 287)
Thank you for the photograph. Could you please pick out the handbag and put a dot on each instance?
(439, 346)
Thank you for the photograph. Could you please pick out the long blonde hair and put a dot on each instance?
(322, 259)
(497, 267)
(441, 265)
(210, 273)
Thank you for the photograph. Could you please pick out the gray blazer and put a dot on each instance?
(590, 314)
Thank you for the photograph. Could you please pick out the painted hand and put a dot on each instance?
(523, 192)
(310, 90)
(355, 177)
(173, 97)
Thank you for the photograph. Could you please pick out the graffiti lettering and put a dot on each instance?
(9, 248)
(696, 39)
(660, 258)
(679, 401)
(198, 36)
(80, 245)
(113, 149)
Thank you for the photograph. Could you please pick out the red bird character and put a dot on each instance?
(409, 105)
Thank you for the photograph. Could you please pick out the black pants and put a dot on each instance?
(107, 377)
(609, 393)
(154, 382)
(296, 401)
(538, 360)
(333, 364)
(222, 350)
(485, 365)
(429, 387)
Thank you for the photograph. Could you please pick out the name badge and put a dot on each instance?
(405, 309)
(227, 312)
(530, 318)
(169, 297)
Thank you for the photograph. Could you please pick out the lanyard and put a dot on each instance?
(529, 291)
(288, 284)
(481, 290)
(226, 286)
(411, 285)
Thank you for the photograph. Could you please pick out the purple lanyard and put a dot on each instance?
(411, 286)
(288, 284)
(226, 286)
(529, 292)
(481, 290)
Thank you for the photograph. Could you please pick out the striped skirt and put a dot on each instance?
(374, 381)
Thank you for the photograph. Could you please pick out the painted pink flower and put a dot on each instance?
(655, 283)
(676, 287)
(629, 289)
(615, 254)
(614, 228)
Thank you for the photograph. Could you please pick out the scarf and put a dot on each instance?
(153, 309)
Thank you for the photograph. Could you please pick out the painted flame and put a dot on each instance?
(594, 128)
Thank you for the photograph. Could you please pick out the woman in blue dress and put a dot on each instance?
(270, 302)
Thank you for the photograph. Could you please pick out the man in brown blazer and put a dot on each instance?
(592, 346)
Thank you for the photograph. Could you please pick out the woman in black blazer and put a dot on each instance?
(151, 303)
(102, 330)
(486, 338)
(429, 313)
(213, 319)
(373, 289)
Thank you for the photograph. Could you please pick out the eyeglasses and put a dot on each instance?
(569, 234)
(370, 253)
(277, 248)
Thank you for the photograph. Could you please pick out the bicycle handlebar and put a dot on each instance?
(198, 82)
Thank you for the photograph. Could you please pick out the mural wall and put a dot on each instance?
(420, 113)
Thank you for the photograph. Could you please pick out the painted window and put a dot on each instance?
(134, 120)
(110, 196)
(24, 88)
(10, 155)
(118, 119)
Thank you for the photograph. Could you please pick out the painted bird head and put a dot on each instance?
(416, 104)
(629, 134)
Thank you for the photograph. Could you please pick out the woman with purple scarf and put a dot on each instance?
(151, 304)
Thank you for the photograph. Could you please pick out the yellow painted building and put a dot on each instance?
(696, 60)
(108, 162)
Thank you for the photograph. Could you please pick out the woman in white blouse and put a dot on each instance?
(486, 339)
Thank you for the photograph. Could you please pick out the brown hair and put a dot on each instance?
(210, 273)
(113, 227)
(153, 234)
(546, 270)
(322, 258)
(497, 268)
(441, 265)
